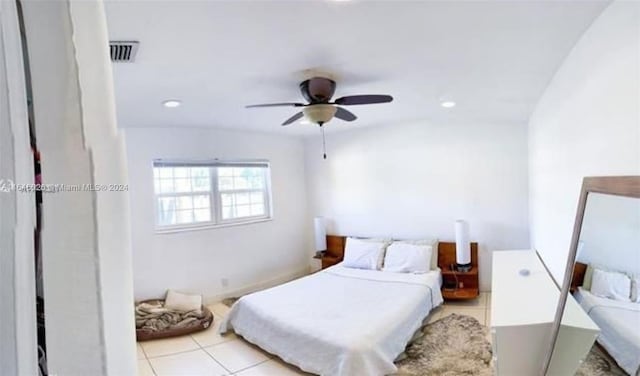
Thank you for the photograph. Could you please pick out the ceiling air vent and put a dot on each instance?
(123, 52)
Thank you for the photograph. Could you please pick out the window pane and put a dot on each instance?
(257, 183)
(184, 216)
(182, 185)
(165, 172)
(166, 211)
(257, 209)
(257, 197)
(202, 215)
(185, 202)
(225, 171)
(181, 172)
(240, 183)
(202, 172)
(242, 198)
(201, 202)
(227, 199)
(166, 186)
(225, 183)
(242, 171)
(200, 184)
(184, 193)
(227, 212)
(243, 211)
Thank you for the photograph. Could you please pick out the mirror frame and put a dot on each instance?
(627, 186)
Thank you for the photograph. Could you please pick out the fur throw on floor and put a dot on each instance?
(452, 346)
(599, 363)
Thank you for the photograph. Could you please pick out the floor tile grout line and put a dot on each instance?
(151, 366)
(199, 347)
(143, 352)
(216, 360)
(184, 352)
(221, 343)
(240, 370)
(153, 370)
(255, 365)
(211, 356)
(176, 353)
(146, 358)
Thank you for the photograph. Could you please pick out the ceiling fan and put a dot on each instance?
(318, 92)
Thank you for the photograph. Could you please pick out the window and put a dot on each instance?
(193, 194)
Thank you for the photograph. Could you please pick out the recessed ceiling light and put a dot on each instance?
(448, 104)
(172, 103)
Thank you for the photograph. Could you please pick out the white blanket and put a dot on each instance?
(619, 323)
(340, 321)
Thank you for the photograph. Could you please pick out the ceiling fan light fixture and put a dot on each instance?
(319, 113)
(172, 103)
(448, 104)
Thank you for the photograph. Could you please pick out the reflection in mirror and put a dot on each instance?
(605, 284)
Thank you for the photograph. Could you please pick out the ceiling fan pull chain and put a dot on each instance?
(324, 145)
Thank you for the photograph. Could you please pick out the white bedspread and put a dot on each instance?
(339, 321)
(620, 328)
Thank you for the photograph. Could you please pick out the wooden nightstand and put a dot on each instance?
(328, 261)
(466, 285)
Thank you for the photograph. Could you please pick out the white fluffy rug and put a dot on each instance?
(457, 345)
(452, 346)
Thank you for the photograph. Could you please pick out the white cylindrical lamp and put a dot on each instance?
(320, 233)
(463, 246)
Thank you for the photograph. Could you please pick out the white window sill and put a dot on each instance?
(209, 226)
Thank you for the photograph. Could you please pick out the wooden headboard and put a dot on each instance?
(335, 250)
(446, 251)
(579, 270)
(335, 246)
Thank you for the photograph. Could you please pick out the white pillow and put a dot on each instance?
(182, 302)
(407, 258)
(612, 285)
(434, 247)
(361, 254)
(386, 242)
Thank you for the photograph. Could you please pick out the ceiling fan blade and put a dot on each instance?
(293, 118)
(285, 104)
(363, 99)
(345, 115)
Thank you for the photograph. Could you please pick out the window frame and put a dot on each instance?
(214, 194)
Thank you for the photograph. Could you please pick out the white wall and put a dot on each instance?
(587, 123)
(611, 233)
(415, 180)
(247, 255)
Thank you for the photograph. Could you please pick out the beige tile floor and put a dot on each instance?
(208, 353)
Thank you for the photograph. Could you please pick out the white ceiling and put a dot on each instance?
(493, 58)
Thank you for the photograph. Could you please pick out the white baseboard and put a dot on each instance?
(258, 286)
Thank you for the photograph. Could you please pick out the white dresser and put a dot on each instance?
(522, 313)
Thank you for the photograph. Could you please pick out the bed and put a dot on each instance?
(339, 321)
(620, 327)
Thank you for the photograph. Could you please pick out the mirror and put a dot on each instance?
(600, 320)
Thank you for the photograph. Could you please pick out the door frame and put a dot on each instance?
(18, 334)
